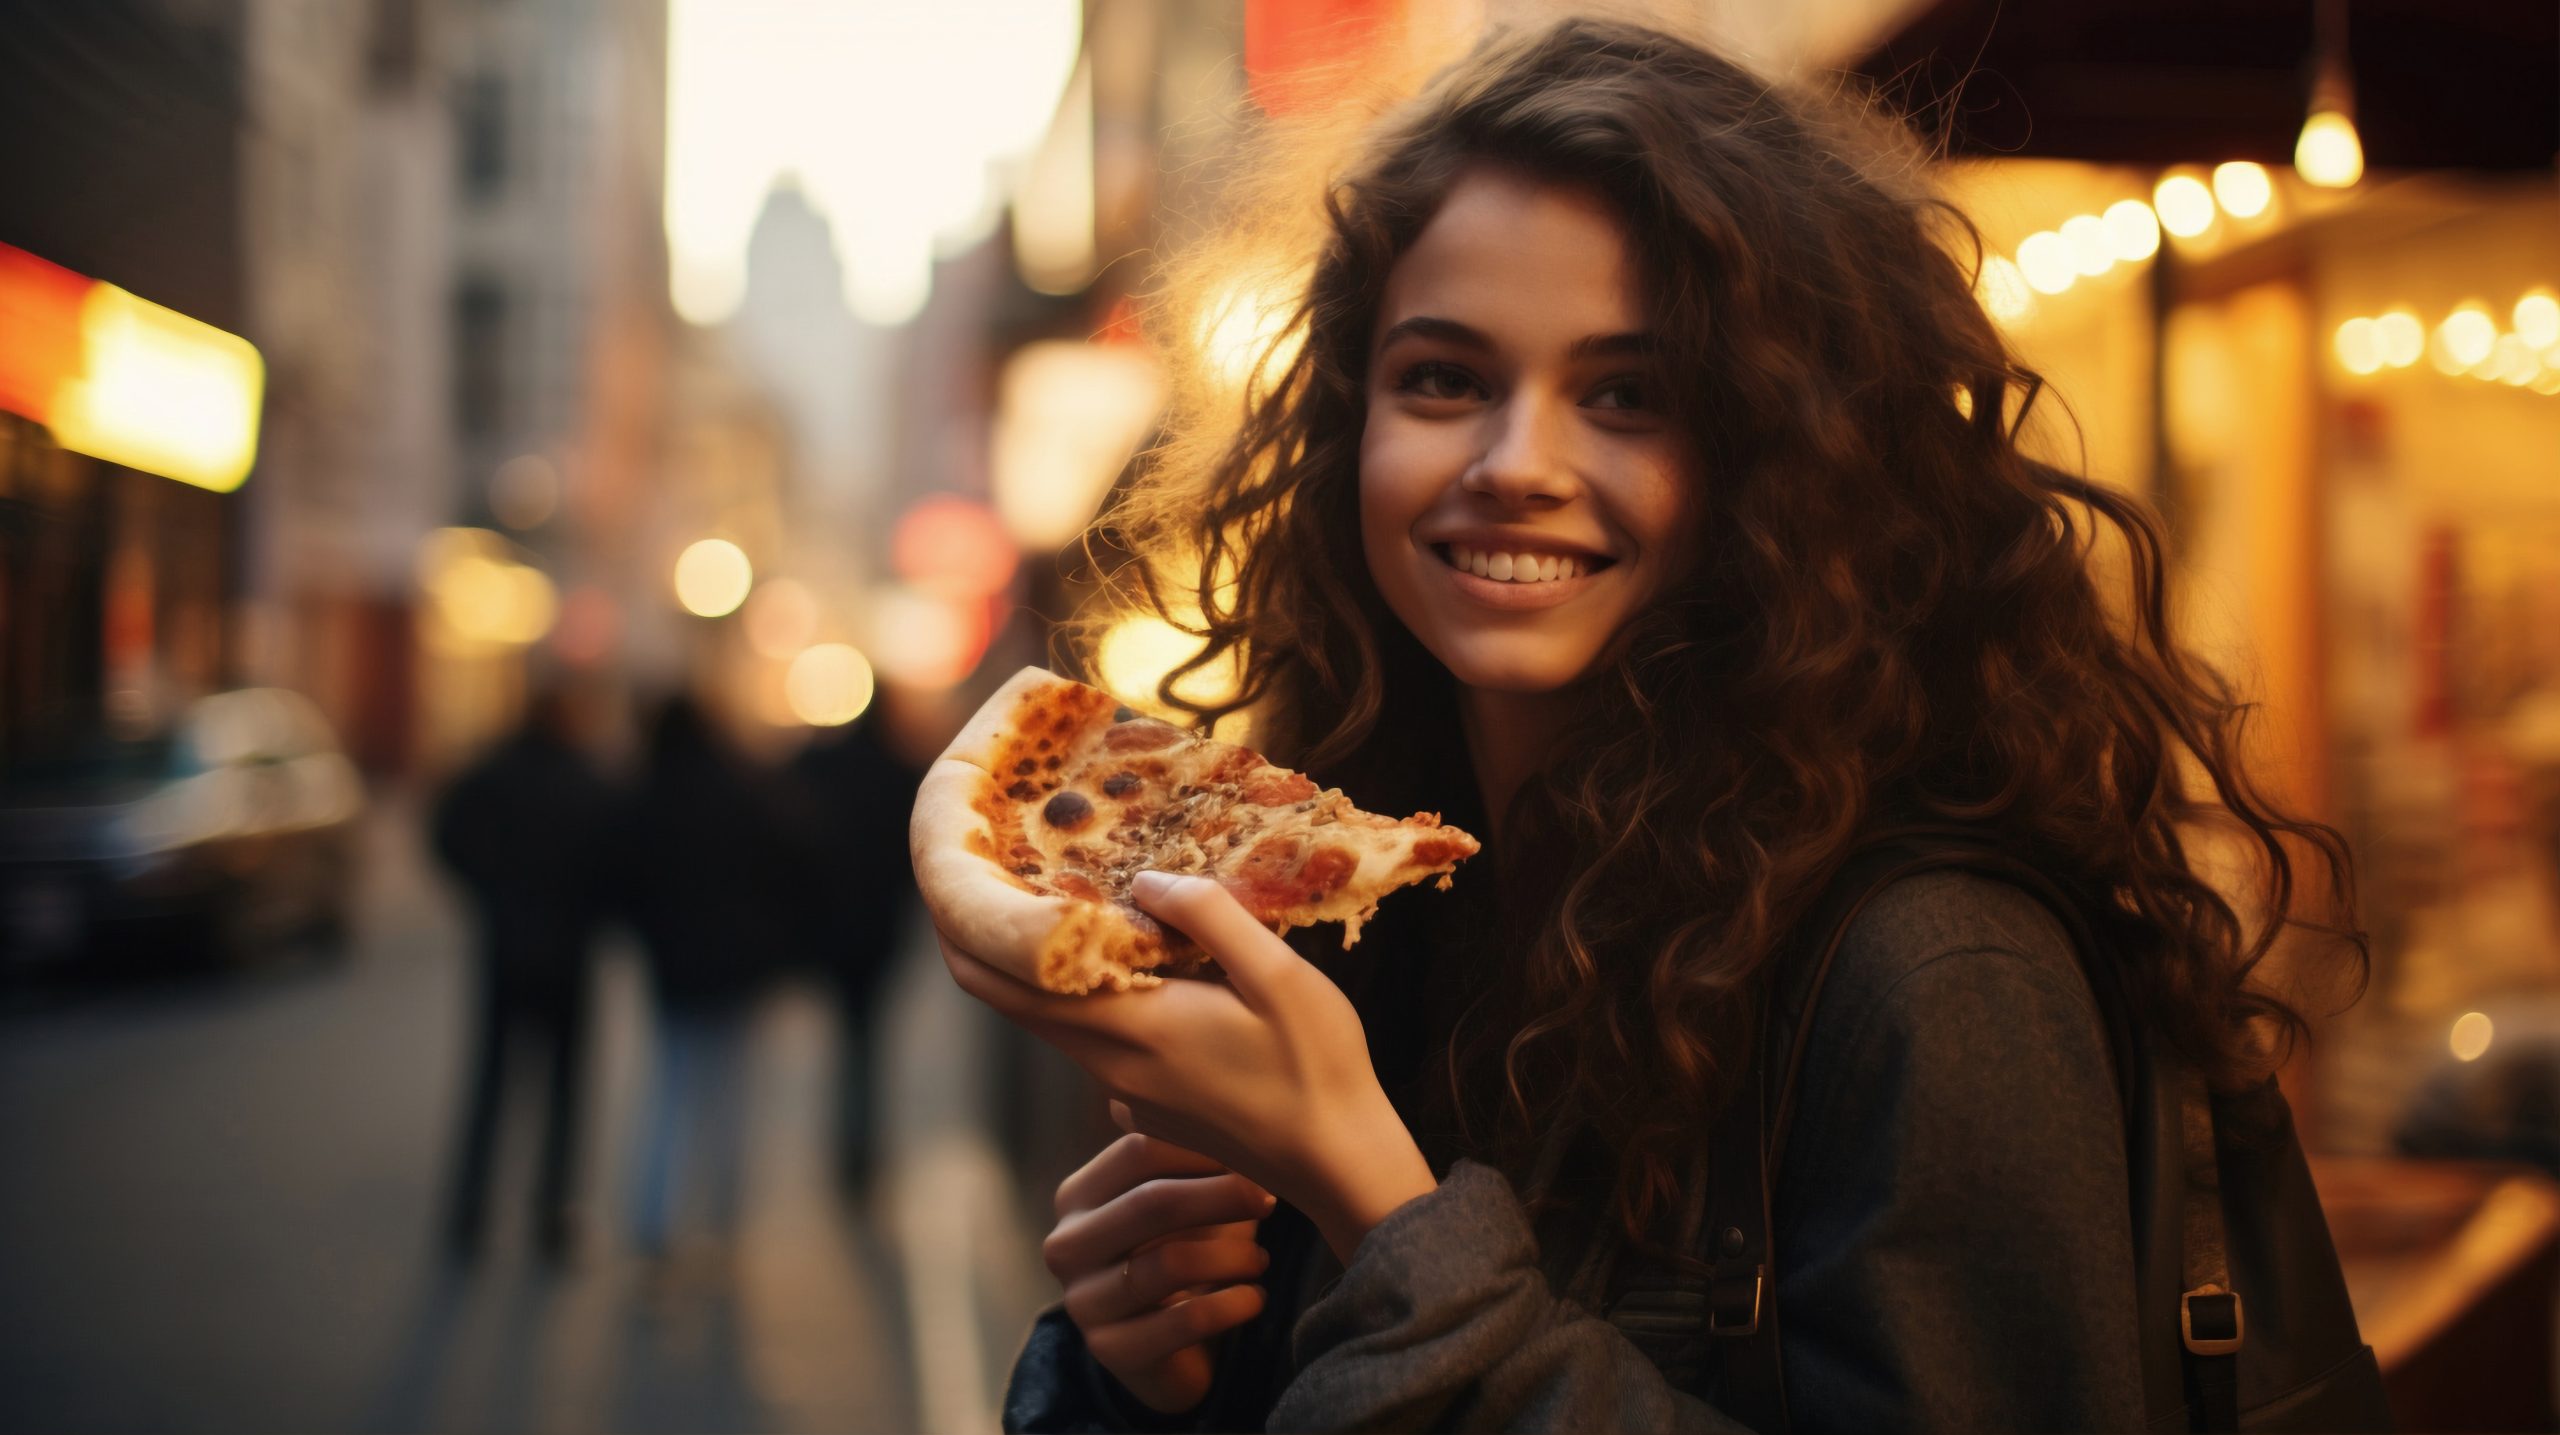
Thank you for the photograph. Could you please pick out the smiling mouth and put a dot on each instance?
(1522, 569)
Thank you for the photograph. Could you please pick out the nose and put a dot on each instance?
(1526, 461)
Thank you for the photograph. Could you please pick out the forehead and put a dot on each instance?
(1523, 259)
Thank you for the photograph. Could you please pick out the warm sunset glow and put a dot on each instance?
(899, 122)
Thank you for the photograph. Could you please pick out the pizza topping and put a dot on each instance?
(1121, 784)
(1068, 811)
(1123, 713)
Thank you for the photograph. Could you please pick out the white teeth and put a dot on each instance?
(1516, 567)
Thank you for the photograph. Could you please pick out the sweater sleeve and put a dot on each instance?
(1954, 1242)
(1444, 1321)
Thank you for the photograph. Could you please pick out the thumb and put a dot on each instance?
(1205, 911)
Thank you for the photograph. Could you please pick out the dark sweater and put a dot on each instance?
(1952, 1228)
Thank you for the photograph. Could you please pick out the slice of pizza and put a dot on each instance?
(1031, 825)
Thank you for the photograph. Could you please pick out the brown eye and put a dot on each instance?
(1437, 379)
(1626, 393)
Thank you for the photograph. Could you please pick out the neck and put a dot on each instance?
(1509, 736)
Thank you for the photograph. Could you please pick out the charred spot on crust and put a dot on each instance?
(1123, 713)
(1120, 784)
(1067, 811)
(1021, 792)
(1026, 869)
(1053, 762)
(1044, 744)
(1026, 767)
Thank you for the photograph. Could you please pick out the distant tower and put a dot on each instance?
(826, 369)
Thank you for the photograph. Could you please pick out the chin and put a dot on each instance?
(1514, 663)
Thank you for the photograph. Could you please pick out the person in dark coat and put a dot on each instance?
(852, 793)
(523, 829)
(706, 878)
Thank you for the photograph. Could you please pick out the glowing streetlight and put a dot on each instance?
(2328, 153)
(713, 577)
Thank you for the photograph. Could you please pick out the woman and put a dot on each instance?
(1695, 546)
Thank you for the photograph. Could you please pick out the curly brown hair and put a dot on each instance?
(1895, 616)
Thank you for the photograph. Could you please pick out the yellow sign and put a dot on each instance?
(123, 379)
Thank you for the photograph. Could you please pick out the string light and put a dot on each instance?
(2133, 230)
(2243, 188)
(2185, 206)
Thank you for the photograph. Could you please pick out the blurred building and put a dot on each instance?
(125, 166)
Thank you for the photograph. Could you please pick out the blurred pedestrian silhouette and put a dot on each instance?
(524, 829)
(852, 793)
(706, 874)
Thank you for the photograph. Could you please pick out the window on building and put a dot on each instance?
(479, 358)
(481, 115)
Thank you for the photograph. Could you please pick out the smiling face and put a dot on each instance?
(1521, 494)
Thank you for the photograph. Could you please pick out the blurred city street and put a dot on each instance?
(220, 1205)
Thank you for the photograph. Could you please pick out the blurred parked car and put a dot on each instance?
(216, 841)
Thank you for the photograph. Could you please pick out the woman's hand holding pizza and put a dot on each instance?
(1266, 1074)
(1154, 1246)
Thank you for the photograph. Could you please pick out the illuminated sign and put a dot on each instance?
(126, 380)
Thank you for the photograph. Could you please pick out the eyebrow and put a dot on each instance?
(1450, 331)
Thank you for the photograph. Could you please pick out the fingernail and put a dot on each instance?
(1147, 886)
(1268, 1202)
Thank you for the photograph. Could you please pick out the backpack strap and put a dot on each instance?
(1749, 1138)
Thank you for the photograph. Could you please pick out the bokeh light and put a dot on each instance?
(781, 617)
(2184, 205)
(713, 577)
(2093, 252)
(2472, 1032)
(1068, 417)
(952, 546)
(2468, 334)
(2045, 258)
(1139, 650)
(525, 491)
(2243, 188)
(922, 640)
(2003, 290)
(828, 685)
(2537, 318)
(2328, 153)
(2133, 231)
(2404, 339)
(2359, 346)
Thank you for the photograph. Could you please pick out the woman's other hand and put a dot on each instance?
(1266, 1073)
(1154, 1245)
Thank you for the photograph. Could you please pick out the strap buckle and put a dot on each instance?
(1734, 1302)
(2209, 1319)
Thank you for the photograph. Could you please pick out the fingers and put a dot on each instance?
(1141, 1342)
(1158, 1273)
(1106, 1235)
(1122, 1165)
(1246, 950)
